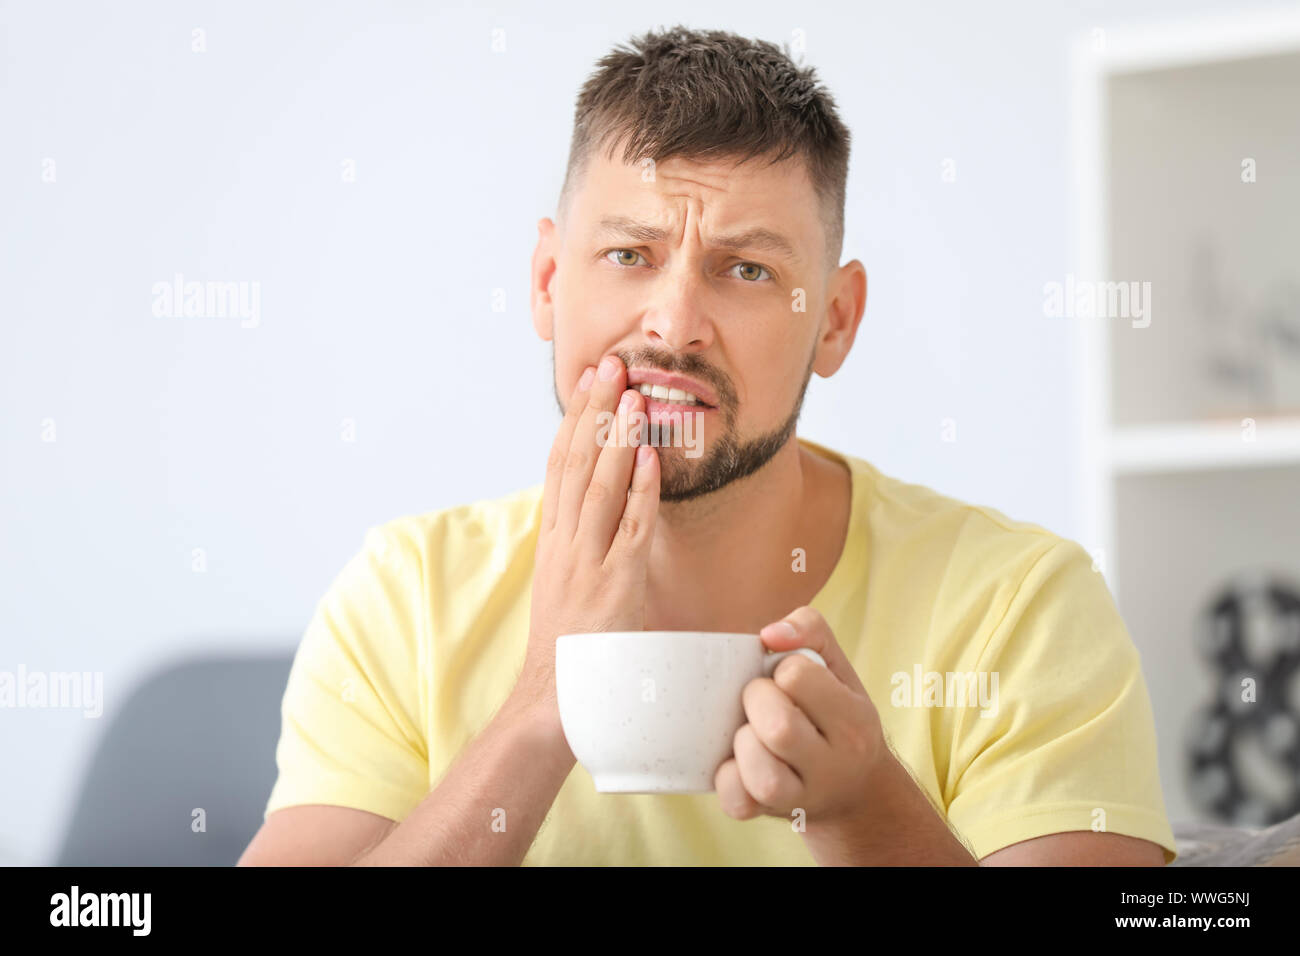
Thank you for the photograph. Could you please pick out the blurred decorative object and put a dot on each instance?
(1253, 342)
(1244, 747)
(1280, 319)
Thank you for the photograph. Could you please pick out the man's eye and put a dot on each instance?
(623, 252)
(753, 272)
(750, 277)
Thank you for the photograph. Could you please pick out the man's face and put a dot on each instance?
(650, 269)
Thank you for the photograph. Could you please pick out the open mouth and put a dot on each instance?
(670, 396)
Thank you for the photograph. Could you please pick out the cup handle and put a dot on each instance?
(771, 660)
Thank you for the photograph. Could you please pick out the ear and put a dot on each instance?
(848, 300)
(543, 274)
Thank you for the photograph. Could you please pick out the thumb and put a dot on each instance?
(805, 627)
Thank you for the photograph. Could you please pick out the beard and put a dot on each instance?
(729, 458)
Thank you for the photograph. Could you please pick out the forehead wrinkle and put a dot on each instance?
(767, 240)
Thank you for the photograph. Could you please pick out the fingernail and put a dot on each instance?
(608, 368)
(781, 629)
(626, 401)
(643, 454)
(584, 383)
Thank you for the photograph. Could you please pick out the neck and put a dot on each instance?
(726, 561)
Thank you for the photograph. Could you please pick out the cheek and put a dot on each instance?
(768, 408)
(574, 354)
(567, 374)
(572, 349)
(586, 330)
(769, 390)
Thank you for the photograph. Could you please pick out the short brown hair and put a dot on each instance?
(709, 94)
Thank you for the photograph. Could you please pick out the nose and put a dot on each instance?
(678, 319)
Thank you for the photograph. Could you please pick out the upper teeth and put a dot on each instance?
(667, 394)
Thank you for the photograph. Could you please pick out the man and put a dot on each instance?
(696, 249)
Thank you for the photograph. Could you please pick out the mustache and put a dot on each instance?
(681, 364)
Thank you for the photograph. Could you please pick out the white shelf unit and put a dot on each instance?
(1174, 505)
(1195, 446)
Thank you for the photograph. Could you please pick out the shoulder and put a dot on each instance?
(967, 541)
(965, 572)
(395, 587)
(459, 537)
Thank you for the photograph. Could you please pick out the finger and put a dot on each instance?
(818, 695)
(780, 724)
(807, 628)
(735, 800)
(769, 781)
(583, 450)
(832, 697)
(631, 545)
(607, 494)
(560, 448)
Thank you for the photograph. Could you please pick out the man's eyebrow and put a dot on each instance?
(757, 238)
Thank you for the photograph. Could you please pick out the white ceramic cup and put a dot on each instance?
(657, 711)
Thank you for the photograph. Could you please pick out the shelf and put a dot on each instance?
(1177, 497)
(1196, 446)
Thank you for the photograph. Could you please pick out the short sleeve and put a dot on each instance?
(1070, 741)
(351, 729)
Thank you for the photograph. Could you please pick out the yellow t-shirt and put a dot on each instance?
(421, 637)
